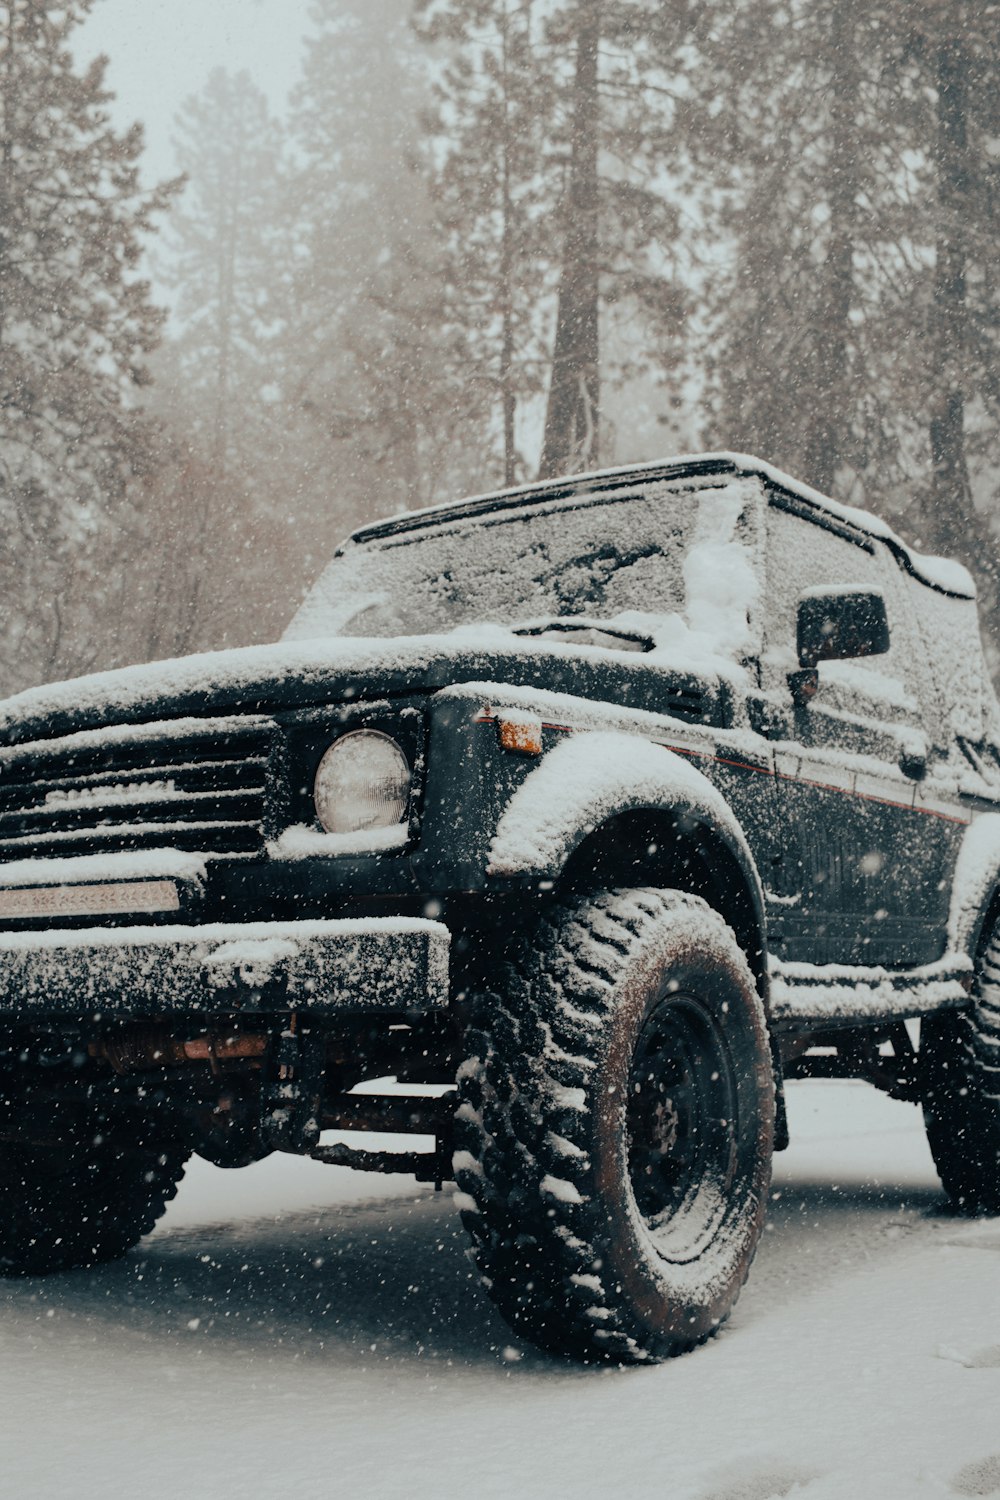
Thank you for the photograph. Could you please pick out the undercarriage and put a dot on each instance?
(240, 1089)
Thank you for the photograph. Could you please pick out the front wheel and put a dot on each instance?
(615, 1128)
(76, 1205)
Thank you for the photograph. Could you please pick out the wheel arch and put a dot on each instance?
(666, 847)
(975, 895)
(607, 809)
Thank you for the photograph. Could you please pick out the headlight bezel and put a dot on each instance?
(306, 734)
(339, 792)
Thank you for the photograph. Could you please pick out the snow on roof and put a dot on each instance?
(939, 573)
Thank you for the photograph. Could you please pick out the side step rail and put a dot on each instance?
(841, 995)
(406, 1114)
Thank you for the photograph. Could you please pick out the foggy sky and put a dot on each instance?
(161, 51)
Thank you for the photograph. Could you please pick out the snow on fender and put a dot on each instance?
(977, 876)
(588, 779)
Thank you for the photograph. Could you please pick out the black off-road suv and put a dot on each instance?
(564, 825)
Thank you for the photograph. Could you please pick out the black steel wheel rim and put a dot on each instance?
(681, 1123)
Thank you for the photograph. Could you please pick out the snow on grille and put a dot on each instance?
(203, 790)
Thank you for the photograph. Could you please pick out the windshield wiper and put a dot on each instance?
(582, 631)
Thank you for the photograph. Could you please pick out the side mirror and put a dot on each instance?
(839, 623)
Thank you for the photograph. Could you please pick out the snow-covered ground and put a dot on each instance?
(298, 1331)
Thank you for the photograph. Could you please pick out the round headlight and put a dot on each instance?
(362, 782)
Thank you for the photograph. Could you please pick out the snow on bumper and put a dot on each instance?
(380, 963)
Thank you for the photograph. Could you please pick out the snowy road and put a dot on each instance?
(296, 1331)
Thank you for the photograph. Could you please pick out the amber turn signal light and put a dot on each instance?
(522, 735)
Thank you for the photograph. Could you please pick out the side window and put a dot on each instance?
(960, 702)
(803, 555)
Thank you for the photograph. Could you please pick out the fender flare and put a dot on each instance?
(976, 880)
(589, 779)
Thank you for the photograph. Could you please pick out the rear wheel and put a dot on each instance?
(65, 1206)
(615, 1129)
(960, 1067)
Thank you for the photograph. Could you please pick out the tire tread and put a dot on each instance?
(535, 1248)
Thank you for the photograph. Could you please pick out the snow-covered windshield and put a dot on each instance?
(659, 552)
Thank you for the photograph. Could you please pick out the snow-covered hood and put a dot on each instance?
(262, 679)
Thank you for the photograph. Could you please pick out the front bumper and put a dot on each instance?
(322, 967)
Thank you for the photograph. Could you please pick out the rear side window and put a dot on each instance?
(951, 648)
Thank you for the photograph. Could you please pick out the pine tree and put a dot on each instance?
(572, 417)
(76, 325)
(229, 469)
(225, 252)
(801, 131)
(621, 249)
(492, 199)
(850, 152)
(374, 387)
(553, 123)
(847, 145)
(954, 49)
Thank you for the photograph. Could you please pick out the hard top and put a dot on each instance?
(941, 574)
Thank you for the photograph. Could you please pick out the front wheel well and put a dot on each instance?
(991, 917)
(649, 847)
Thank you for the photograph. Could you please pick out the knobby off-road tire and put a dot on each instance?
(615, 1127)
(66, 1206)
(960, 1066)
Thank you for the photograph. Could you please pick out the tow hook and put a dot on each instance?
(291, 1087)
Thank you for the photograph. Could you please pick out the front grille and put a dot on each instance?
(191, 785)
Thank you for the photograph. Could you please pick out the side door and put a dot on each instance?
(724, 598)
(860, 876)
(963, 721)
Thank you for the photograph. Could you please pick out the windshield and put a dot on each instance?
(652, 552)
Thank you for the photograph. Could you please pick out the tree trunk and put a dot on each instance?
(950, 493)
(573, 414)
(831, 396)
(507, 391)
(228, 249)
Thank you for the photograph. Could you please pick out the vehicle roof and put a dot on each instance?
(941, 574)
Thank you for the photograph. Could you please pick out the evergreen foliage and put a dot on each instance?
(76, 327)
(374, 384)
(482, 227)
(494, 194)
(223, 254)
(552, 123)
(852, 335)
